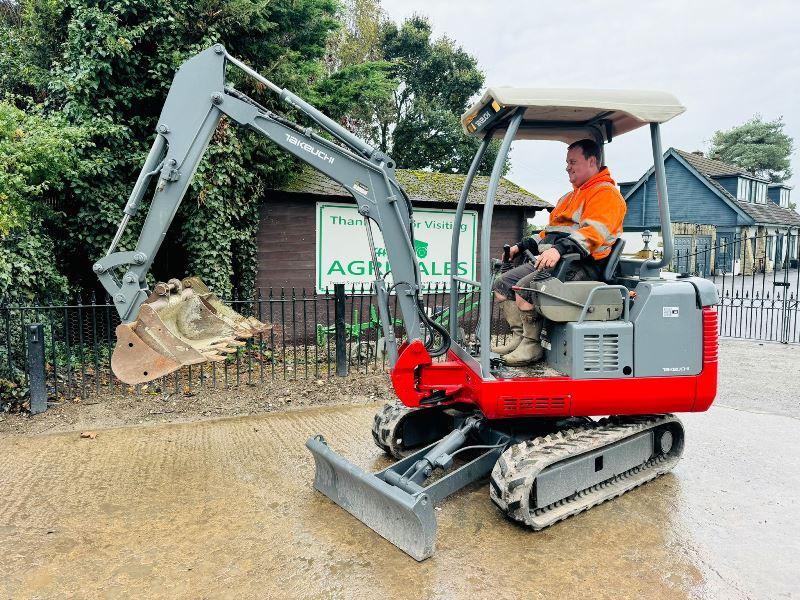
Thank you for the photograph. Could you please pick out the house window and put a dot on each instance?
(751, 190)
(769, 247)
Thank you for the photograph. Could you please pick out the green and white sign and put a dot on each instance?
(343, 251)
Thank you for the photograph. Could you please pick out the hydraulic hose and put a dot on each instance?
(444, 346)
(425, 320)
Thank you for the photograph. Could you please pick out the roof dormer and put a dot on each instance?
(779, 194)
(752, 190)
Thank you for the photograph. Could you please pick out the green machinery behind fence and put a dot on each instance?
(362, 350)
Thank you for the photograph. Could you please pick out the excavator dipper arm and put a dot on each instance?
(197, 100)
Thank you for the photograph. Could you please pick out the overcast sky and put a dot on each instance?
(725, 61)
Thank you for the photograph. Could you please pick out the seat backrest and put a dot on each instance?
(613, 259)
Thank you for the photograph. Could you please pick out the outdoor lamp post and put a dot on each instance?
(646, 237)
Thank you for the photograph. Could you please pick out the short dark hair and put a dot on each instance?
(589, 149)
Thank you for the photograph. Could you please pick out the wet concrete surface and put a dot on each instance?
(225, 509)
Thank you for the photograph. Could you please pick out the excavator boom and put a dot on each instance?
(182, 322)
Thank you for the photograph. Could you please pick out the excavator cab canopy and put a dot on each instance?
(568, 115)
(565, 115)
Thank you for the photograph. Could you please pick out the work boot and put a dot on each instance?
(514, 317)
(530, 348)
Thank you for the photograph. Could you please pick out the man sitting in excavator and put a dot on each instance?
(586, 221)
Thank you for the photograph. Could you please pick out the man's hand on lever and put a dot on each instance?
(547, 259)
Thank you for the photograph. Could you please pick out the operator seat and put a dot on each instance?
(608, 272)
(562, 301)
(613, 260)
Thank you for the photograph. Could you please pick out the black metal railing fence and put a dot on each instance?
(79, 339)
(757, 279)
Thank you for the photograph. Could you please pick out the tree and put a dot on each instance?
(106, 67)
(418, 123)
(437, 81)
(758, 146)
(359, 39)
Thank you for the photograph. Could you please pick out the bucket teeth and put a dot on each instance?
(181, 323)
(227, 349)
(222, 310)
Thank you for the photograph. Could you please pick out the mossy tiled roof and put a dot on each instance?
(714, 168)
(767, 212)
(424, 186)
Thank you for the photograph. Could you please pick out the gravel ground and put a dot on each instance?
(753, 376)
(151, 406)
(225, 508)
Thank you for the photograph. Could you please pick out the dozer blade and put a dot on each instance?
(177, 326)
(407, 521)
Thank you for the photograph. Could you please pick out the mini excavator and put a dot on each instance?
(591, 422)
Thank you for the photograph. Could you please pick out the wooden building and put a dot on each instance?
(287, 235)
(714, 203)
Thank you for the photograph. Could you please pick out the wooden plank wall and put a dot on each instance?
(287, 238)
(690, 201)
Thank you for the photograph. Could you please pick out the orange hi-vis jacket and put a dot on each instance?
(591, 214)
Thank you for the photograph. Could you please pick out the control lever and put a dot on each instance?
(506, 265)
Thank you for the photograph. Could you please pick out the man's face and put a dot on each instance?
(579, 169)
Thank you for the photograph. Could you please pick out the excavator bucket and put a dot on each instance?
(406, 520)
(223, 311)
(181, 323)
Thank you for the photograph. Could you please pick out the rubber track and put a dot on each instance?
(384, 425)
(517, 468)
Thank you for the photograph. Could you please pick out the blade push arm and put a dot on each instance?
(196, 102)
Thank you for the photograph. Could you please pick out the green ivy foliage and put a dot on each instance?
(13, 396)
(118, 62)
(104, 68)
(27, 271)
(39, 162)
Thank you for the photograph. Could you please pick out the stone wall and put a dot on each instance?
(747, 257)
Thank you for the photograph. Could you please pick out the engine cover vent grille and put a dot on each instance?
(534, 405)
(600, 353)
